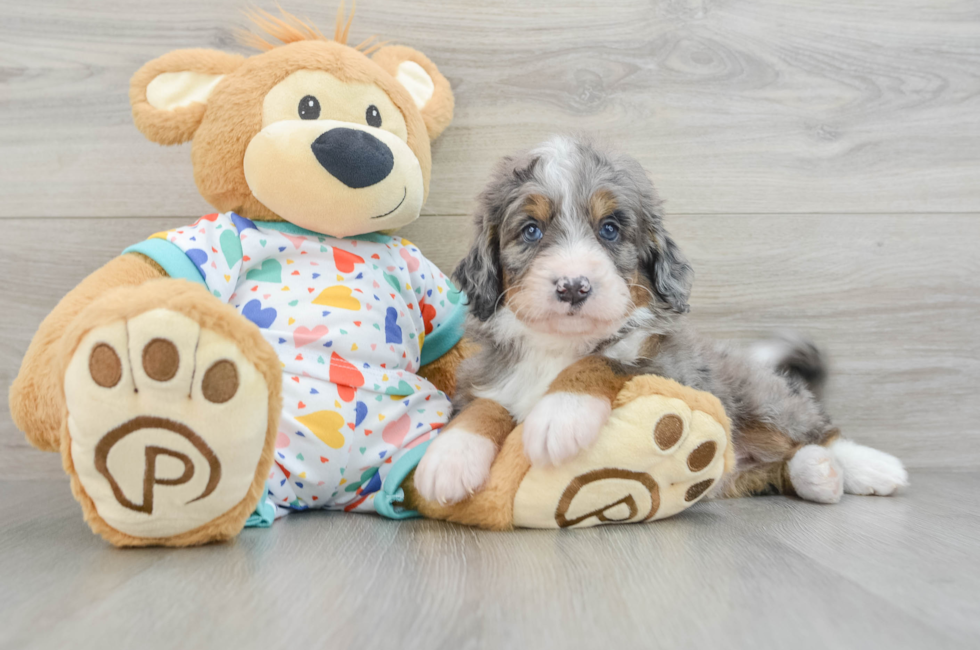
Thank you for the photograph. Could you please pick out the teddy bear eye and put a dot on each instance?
(309, 108)
(372, 116)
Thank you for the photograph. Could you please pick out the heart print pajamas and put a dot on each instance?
(352, 320)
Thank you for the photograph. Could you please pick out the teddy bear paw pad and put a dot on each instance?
(167, 422)
(656, 456)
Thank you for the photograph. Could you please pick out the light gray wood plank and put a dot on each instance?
(893, 299)
(752, 573)
(734, 107)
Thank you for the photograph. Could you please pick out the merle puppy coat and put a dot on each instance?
(574, 286)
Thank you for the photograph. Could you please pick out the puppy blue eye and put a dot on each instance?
(531, 233)
(609, 231)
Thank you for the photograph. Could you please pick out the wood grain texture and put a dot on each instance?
(893, 299)
(751, 573)
(754, 106)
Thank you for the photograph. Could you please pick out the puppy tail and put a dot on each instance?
(796, 357)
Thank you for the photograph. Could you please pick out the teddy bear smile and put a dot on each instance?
(404, 194)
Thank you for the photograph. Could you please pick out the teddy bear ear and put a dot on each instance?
(169, 95)
(423, 81)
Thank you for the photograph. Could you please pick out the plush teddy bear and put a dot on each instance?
(288, 352)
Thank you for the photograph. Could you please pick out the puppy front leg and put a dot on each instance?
(573, 411)
(457, 463)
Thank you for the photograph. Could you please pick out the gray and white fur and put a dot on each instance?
(570, 215)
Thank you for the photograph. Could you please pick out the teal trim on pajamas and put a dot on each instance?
(171, 259)
(264, 515)
(391, 491)
(448, 334)
(293, 229)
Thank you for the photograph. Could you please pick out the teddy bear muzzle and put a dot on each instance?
(336, 178)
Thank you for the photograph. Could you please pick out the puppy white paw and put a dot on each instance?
(816, 475)
(561, 425)
(456, 464)
(869, 471)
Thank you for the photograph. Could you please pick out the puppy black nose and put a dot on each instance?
(573, 290)
(355, 158)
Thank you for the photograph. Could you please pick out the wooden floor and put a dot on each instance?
(756, 573)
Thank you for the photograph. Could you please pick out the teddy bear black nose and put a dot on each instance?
(355, 158)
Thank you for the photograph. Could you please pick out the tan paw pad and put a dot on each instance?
(656, 456)
(167, 423)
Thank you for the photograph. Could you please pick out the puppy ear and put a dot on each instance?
(668, 271)
(421, 78)
(479, 275)
(169, 94)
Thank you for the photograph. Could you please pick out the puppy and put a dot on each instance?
(575, 286)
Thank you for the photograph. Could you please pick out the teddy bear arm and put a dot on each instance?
(37, 403)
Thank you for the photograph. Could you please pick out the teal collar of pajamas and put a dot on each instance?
(293, 229)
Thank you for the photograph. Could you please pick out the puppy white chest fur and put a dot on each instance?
(542, 357)
(527, 382)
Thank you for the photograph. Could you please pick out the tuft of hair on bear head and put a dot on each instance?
(289, 28)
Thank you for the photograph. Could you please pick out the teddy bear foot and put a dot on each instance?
(664, 447)
(169, 427)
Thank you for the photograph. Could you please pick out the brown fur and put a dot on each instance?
(539, 207)
(650, 347)
(602, 203)
(589, 376)
(764, 444)
(37, 403)
(507, 283)
(486, 418)
(641, 293)
(438, 112)
(178, 125)
(761, 480)
(291, 29)
(196, 303)
(442, 371)
(767, 453)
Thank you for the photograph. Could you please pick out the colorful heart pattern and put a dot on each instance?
(393, 332)
(345, 261)
(348, 319)
(325, 425)
(338, 296)
(304, 335)
(268, 271)
(264, 318)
